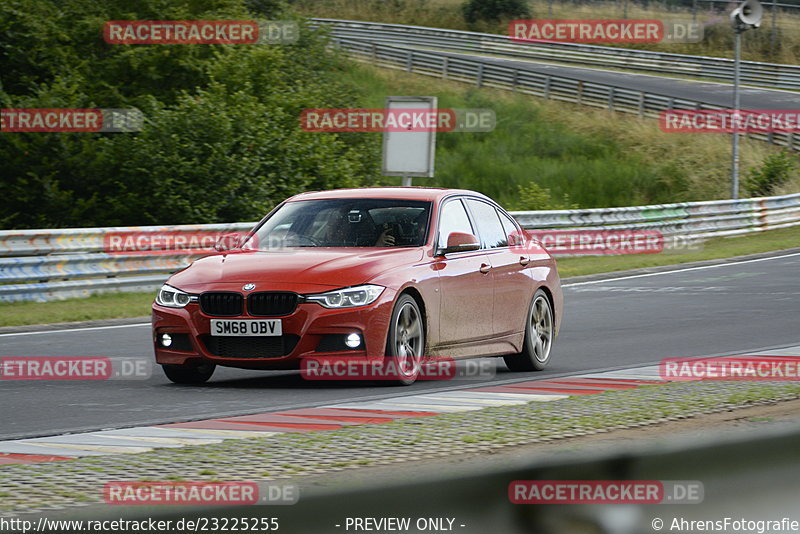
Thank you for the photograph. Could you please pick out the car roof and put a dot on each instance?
(404, 193)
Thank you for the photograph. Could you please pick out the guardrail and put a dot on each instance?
(481, 72)
(679, 223)
(43, 265)
(772, 75)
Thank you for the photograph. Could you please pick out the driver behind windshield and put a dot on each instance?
(350, 223)
(355, 228)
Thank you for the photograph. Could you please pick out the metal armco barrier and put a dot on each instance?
(772, 75)
(483, 73)
(43, 265)
(680, 223)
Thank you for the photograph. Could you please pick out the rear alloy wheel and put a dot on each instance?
(406, 342)
(538, 337)
(189, 374)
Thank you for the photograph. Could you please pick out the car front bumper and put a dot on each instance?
(310, 331)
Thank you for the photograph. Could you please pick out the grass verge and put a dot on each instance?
(712, 249)
(550, 155)
(103, 306)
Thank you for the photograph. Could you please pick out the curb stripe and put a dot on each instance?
(335, 416)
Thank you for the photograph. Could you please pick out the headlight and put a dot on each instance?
(172, 298)
(350, 297)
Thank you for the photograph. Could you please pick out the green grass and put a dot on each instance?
(545, 154)
(104, 306)
(713, 249)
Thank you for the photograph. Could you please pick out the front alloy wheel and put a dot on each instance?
(538, 337)
(406, 342)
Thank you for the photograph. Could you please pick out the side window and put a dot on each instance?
(489, 224)
(508, 225)
(453, 218)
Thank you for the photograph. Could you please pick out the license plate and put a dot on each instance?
(248, 327)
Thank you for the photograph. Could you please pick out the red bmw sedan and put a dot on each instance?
(397, 275)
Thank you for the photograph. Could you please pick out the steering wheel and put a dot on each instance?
(308, 239)
(293, 239)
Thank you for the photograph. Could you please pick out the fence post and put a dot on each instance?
(410, 61)
(514, 80)
(374, 54)
(610, 99)
(547, 88)
(479, 79)
(641, 104)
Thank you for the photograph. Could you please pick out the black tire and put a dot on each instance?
(189, 374)
(539, 334)
(405, 344)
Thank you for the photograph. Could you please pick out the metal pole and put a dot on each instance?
(549, 9)
(773, 35)
(406, 181)
(694, 10)
(736, 104)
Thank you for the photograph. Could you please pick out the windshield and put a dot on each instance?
(344, 223)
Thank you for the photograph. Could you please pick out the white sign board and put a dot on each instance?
(409, 153)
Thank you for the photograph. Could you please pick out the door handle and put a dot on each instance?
(524, 261)
(485, 268)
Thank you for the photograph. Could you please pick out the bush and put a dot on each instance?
(774, 172)
(494, 10)
(221, 140)
(533, 197)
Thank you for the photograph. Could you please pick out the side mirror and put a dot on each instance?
(460, 242)
(228, 242)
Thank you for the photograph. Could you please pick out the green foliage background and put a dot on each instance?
(221, 141)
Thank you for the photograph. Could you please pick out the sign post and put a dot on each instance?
(409, 153)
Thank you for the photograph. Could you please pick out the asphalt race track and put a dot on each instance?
(614, 323)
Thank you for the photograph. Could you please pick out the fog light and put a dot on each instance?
(352, 340)
(166, 340)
